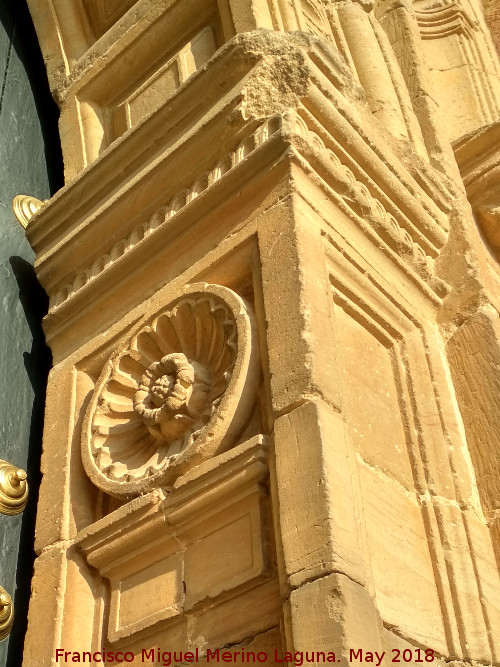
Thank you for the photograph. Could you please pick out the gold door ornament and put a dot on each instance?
(13, 498)
(25, 207)
(13, 488)
(6, 613)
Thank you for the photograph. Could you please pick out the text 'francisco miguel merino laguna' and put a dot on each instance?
(166, 658)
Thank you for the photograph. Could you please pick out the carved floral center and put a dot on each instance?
(161, 390)
(173, 397)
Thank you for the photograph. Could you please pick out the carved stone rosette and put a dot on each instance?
(178, 393)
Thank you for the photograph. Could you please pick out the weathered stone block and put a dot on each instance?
(319, 528)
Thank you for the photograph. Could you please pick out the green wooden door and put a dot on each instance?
(28, 144)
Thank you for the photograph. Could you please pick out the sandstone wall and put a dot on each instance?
(270, 423)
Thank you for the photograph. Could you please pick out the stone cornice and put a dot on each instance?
(219, 478)
(218, 501)
(170, 184)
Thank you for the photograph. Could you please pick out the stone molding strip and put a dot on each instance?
(439, 22)
(164, 214)
(397, 234)
(355, 194)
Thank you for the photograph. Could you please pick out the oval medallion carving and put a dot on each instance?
(175, 395)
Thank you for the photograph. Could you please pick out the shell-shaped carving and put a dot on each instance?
(175, 395)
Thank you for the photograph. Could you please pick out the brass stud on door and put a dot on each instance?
(6, 613)
(13, 488)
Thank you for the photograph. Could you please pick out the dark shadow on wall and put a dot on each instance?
(16, 19)
(37, 363)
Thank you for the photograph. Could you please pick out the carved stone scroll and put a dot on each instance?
(176, 394)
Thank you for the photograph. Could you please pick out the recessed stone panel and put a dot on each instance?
(165, 81)
(224, 559)
(372, 400)
(103, 13)
(148, 595)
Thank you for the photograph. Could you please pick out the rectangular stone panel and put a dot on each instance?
(400, 560)
(377, 416)
(165, 81)
(151, 594)
(452, 74)
(238, 617)
(227, 557)
(103, 13)
(371, 399)
(174, 636)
